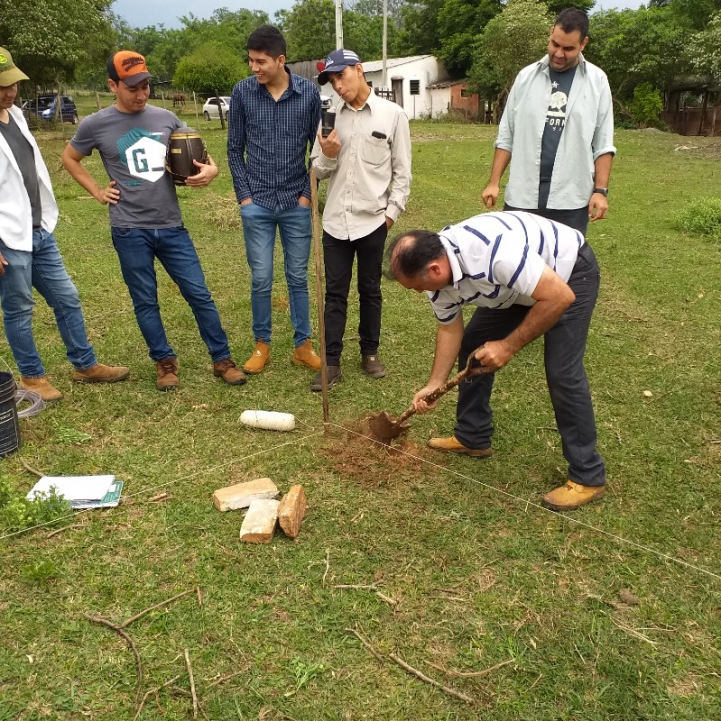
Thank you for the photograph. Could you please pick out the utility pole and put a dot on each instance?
(384, 75)
(338, 24)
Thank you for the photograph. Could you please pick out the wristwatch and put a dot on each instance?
(602, 191)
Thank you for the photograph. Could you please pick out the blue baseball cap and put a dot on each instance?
(335, 62)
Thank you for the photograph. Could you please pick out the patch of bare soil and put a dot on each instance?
(355, 455)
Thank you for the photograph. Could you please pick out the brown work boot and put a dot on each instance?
(304, 355)
(167, 374)
(453, 445)
(259, 359)
(100, 373)
(334, 376)
(229, 372)
(42, 387)
(571, 496)
(372, 366)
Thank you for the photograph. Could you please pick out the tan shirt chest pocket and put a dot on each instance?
(376, 151)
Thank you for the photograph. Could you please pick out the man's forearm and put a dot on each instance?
(501, 159)
(448, 344)
(602, 170)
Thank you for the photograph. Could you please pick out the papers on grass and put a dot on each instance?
(81, 491)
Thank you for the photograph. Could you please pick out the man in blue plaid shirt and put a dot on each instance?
(274, 118)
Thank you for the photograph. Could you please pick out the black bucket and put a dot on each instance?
(9, 425)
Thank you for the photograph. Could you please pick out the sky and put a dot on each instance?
(141, 13)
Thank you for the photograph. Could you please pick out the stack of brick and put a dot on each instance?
(264, 512)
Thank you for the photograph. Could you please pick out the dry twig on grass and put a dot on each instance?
(351, 586)
(472, 674)
(138, 665)
(64, 528)
(192, 684)
(410, 669)
(124, 624)
(29, 468)
(432, 682)
(327, 566)
(366, 643)
(152, 691)
(387, 599)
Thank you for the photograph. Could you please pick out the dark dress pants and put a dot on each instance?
(338, 257)
(564, 349)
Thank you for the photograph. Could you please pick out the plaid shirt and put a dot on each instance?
(268, 141)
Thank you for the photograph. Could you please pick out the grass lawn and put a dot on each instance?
(471, 572)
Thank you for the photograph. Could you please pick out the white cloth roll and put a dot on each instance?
(268, 420)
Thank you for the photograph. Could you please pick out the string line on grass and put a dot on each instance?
(174, 482)
(538, 506)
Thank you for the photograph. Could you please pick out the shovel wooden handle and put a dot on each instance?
(433, 396)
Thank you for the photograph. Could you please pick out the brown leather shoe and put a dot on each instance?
(571, 496)
(259, 359)
(229, 372)
(372, 366)
(167, 374)
(304, 355)
(42, 387)
(334, 376)
(100, 373)
(453, 445)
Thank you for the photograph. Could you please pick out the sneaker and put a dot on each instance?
(100, 373)
(229, 372)
(334, 376)
(167, 374)
(453, 445)
(42, 387)
(259, 359)
(372, 366)
(304, 355)
(571, 496)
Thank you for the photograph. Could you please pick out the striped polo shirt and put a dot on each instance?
(497, 260)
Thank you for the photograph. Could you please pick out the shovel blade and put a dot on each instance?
(385, 427)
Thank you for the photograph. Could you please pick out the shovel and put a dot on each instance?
(385, 427)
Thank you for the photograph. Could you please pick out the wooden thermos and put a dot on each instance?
(185, 146)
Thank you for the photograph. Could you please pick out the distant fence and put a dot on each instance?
(694, 121)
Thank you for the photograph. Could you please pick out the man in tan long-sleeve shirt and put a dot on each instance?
(367, 158)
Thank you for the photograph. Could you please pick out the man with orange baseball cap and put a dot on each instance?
(132, 138)
(29, 255)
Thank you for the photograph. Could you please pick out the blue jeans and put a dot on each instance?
(259, 226)
(564, 348)
(44, 269)
(137, 249)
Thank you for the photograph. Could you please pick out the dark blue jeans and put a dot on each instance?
(137, 249)
(42, 268)
(564, 349)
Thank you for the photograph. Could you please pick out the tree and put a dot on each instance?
(49, 39)
(637, 46)
(512, 40)
(646, 105)
(705, 50)
(211, 67)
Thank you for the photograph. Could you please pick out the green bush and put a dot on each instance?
(17, 513)
(646, 105)
(702, 217)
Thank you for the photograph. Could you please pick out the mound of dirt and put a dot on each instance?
(353, 452)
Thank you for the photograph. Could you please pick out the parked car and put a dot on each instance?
(210, 109)
(45, 106)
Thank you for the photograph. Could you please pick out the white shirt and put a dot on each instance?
(587, 134)
(16, 215)
(371, 177)
(497, 260)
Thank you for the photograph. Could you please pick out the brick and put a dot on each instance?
(242, 494)
(259, 522)
(292, 511)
